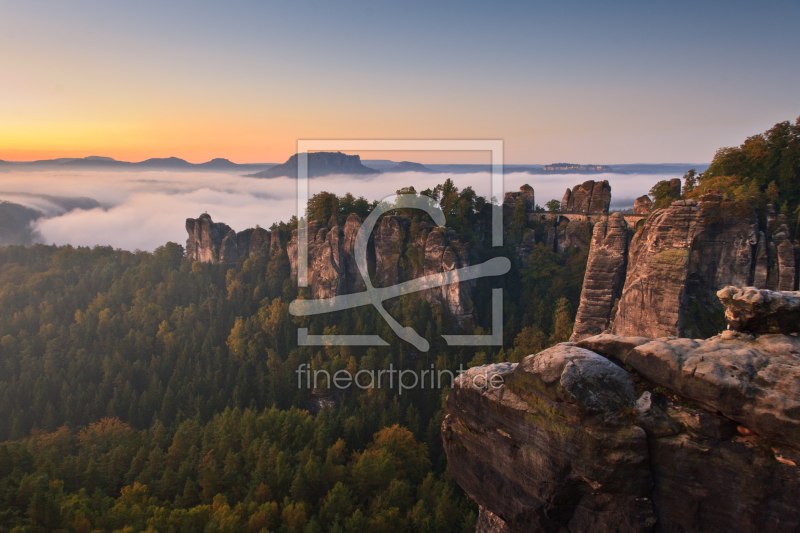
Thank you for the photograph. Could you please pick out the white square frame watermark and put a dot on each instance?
(305, 146)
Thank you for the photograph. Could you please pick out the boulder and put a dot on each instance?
(760, 310)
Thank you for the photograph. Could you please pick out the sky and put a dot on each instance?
(585, 82)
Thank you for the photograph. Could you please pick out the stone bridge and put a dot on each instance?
(558, 216)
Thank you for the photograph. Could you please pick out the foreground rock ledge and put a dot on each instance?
(697, 436)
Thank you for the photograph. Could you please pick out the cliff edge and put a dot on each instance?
(634, 434)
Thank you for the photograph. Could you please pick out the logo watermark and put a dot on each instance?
(375, 296)
(405, 379)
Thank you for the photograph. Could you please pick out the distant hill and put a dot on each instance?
(15, 224)
(159, 163)
(572, 167)
(319, 164)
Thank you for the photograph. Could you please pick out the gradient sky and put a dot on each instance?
(600, 82)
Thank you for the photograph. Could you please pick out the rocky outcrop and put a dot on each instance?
(510, 200)
(573, 234)
(443, 253)
(761, 311)
(525, 248)
(390, 243)
(786, 279)
(332, 268)
(216, 242)
(678, 261)
(353, 280)
(591, 197)
(694, 436)
(326, 270)
(604, 278)
(553, 447)
(642, 205)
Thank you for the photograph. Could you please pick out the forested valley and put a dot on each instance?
(146, 391)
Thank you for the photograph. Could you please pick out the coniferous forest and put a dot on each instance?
(144, 391)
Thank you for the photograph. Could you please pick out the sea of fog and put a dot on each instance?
(143, 210)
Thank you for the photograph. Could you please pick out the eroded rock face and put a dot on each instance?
(216, 242)
(642, 205)
(443, 253)
(553, 448)
(390, 242)
(562, 442)
(576, 233)
(754, 381)
(604, 278)
(677, 262)
(525, 248)
(785, 258)
(326, 269)
(332, 267)
(588, 197)
(510, 200)
(761, 311)
(353, 280)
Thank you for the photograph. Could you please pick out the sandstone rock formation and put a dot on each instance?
(574, 233)
(677, 262)
(604, 278)
(642, 205)
(785, 259)
(510, 200)
(589, 197)
(525, 248)
(332, 268)
(695, 436)
(761, 311)
(216, 242)
(554, 447)
(443, 253)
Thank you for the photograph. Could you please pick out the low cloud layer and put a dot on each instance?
(144, 210)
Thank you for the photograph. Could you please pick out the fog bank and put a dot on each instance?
(144, 210)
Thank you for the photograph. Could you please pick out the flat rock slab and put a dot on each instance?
(752, 380)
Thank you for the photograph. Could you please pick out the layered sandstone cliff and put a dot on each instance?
(216, 242)
(332, 266)
(588, 197)
(678, 261)
(604, 278)
(633, 434)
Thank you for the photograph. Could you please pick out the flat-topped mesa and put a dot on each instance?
(590, 197)
(216, 242)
